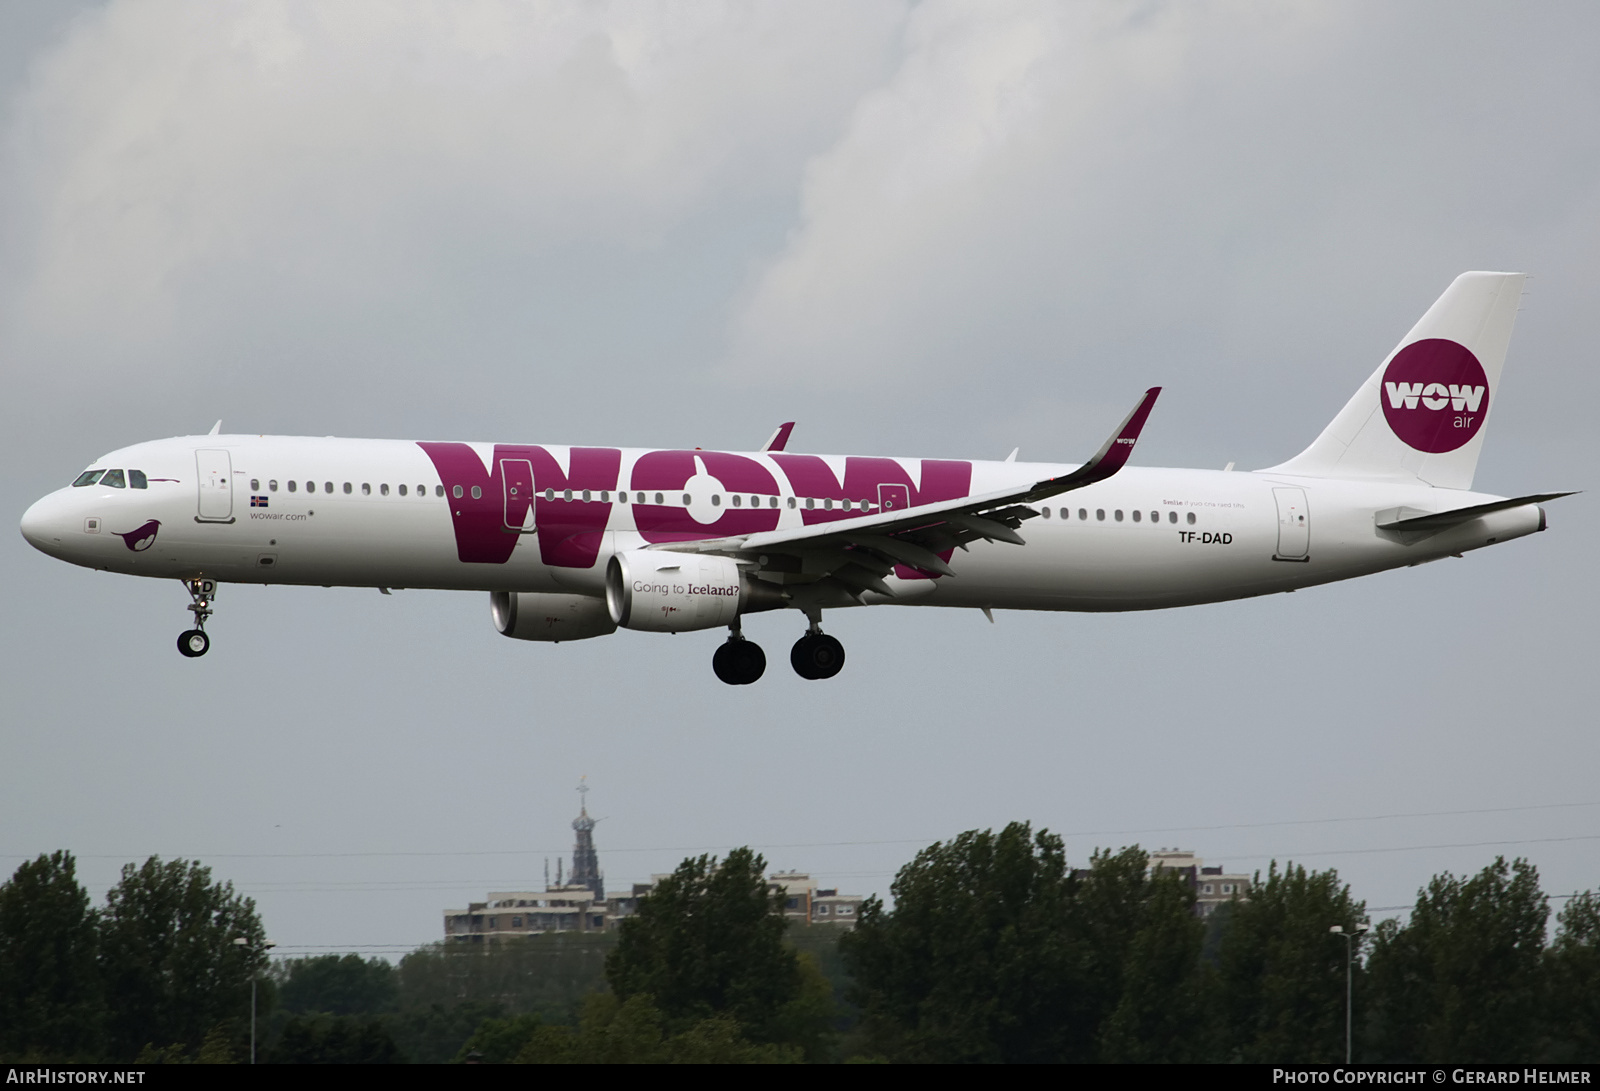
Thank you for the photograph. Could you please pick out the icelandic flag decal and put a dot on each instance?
(258, 501)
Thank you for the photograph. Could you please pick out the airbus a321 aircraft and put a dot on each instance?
(573, 542)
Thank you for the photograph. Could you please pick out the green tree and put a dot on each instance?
(709, 941)
(996, 951)
(1282, 973)
(171, 968)
(50, 1000)
(974, 962)
(546, 974)
(1462, 981)
(337, 984)
(320, 1038)
(1573, 965)
(634, 1031)
(1164, 1012)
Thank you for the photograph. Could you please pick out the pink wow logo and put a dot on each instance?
(1435, 395)
(140, 538)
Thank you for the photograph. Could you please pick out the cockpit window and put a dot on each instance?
(88, 477)
(137, 480)
(113, 480)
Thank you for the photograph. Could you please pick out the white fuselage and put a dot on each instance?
(389, 513)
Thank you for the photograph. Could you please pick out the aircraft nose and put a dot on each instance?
(45, 523)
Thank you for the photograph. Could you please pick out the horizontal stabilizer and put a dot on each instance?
(1446, 519)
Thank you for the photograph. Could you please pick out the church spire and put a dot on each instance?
(585, 861)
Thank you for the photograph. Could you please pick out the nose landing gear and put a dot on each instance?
(739, 661)
(195, 643)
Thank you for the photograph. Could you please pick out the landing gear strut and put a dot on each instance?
(816, 655)
(195, 643)
(739, 661)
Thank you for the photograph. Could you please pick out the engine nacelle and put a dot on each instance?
(529, 615)
(657, 591)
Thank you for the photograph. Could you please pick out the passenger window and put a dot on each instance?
(272, 486)
(622, 497)
(477, 493)
(738, 501)
(1045, 513)
(348, 488)
(113, 480)
(366, 488)
(687, 500)
(311, 486)
(293, 485)
(1136, 515)
(88, 477)
(422, 490)
(1083, 513)
(456, 492)
(660, 499)
(1191, 518)
(605, 496)
(327, 486)
(1172, 517)
(585, 496)
(1100, 514)
(383, 490)
(811, 501)
(438, 490)
(1066, 513)
(1155, 517)
(137, 480)
(827, 503)
(792, 503)
(772, 502)
(402, 490)
(255, 486)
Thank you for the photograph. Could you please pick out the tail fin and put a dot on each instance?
(1421, 415)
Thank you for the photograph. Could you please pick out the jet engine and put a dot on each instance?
(529, 615)
(664, 592)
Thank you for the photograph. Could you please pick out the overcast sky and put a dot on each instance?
(934, 229)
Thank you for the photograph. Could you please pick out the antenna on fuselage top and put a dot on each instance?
(216, 429)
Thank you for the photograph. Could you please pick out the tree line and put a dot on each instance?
(161, 971)
(994, 949)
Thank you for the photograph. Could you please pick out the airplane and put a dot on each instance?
(574, 542)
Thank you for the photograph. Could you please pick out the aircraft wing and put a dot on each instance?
(860, 551)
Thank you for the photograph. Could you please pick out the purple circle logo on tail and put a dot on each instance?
(141, 538)
(1435, 395)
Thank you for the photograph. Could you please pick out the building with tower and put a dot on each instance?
(585, 861)
(577, 902)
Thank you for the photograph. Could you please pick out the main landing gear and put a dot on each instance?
(194, 643)
(816, 655)
(740, 662)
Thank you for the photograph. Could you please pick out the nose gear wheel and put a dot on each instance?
(194, 643)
